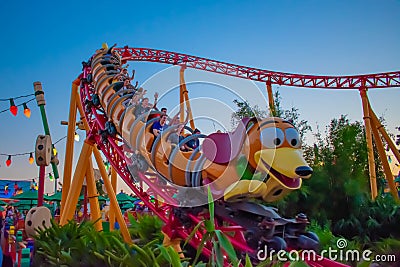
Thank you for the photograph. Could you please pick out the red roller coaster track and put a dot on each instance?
(375, 80)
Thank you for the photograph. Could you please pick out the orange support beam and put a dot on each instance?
(385, 136)
(271, 103)
(181, 97)
(184, 97)
(385, 163)
(76, 186)
(69, 151)
(111, 213)
(95, 214)
(112, 197)
(371, 159)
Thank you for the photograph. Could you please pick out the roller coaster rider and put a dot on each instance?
(109, 130)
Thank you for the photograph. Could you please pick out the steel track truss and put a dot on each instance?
(365, 81)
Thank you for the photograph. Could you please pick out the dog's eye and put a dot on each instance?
(292, 136)
(272, 137)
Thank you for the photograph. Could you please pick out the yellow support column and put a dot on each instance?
(111, 213)
(114, 205)
(371, 160)
(272, 111)
(385, 163)
(82, 114)
(190, 114)
(181, 97)
(112, 197)
(384, 134)
(69, 151)
(76, 186)
(186, 100)
(93, 196)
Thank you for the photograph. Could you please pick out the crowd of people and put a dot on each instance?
(136, 97)
(11, 215)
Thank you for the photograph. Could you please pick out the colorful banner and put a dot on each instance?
(9, 188)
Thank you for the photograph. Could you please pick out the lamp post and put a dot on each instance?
(39, 94)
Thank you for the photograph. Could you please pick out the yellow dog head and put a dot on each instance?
(276, 146)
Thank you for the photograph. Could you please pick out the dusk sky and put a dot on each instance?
(46, 41)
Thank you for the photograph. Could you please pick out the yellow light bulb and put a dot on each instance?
(27, 111)
(31, 159)
(76, 137)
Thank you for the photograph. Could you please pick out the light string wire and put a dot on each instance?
(28, 153)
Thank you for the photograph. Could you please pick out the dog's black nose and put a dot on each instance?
(303, 171)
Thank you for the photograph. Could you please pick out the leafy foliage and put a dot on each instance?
(339, 180)
(99, 187)
(245, 110)
(373, 221)
(80, 245)
(388, 246)
(145, 228)
(292, 115)
(217, 238)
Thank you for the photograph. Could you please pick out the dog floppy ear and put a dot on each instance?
(221, 148)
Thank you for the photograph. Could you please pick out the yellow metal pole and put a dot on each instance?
(111, 213)
(190, 114)
(93, 196)
(114, 205)
(384, 134)
(371, 159)
(82, 114)
(385, 163)
(112, 197)
(69, 151)
(272, 111)
(76, 186)
(181, 95)
(186, 100)
(91, 173)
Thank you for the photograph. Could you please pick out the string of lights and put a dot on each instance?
(17, 97)
(30, 159)
(14, 108)
(27, 112)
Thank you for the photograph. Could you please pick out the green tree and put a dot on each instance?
(245, 110)
(339, 187)
(292, 115)
(339, 184)
(99, 187)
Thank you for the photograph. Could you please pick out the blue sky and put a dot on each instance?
(47, 41)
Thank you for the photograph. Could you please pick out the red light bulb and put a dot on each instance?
(8, 161)
(13, 107)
